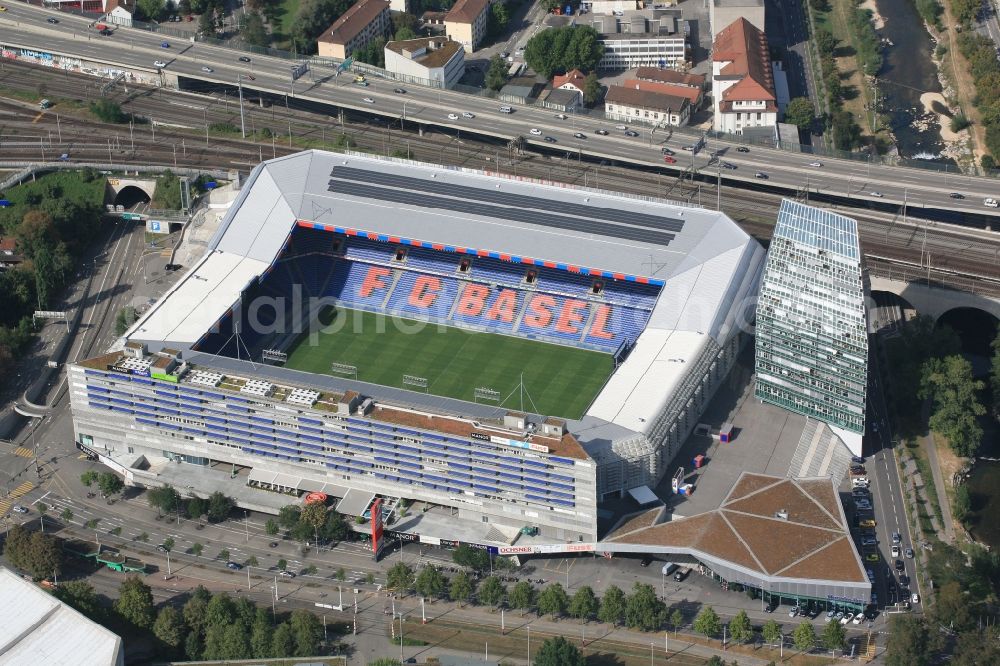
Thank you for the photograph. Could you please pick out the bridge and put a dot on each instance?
(73, 46)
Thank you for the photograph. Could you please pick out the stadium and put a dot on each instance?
(508, 353)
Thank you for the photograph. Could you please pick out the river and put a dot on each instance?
(984, 487)
(908, 71)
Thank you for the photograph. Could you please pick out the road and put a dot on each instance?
(25, 25)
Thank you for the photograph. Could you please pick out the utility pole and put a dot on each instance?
(243, 125)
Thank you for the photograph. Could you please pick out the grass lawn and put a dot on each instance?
(560, 380)
(283, 25)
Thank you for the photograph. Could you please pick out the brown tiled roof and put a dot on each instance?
(638, 520)
(437, 57)
(568, 446)
(574, 76)
(670, 76)
(813, 543)
(744, 48)
(646, 99)
(787, 496)
(353, 21)
(466, 11)
(691, 94)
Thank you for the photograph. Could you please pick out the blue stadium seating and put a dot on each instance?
(419, 258)
(551, 316)
(369, 250)
(348, 281)
(495, 271)
(438, 294)
(488, 307)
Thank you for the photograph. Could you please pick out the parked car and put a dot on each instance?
(858, 618)
(872, 557)
(646, 561)
(858, 459)
(847, 618)
(869, 541)
(793, 612)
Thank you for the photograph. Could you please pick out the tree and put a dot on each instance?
(307, 633)
(400, 577)
(271, 527)
(676, 619)
(164, 498)
(995, 376)
(952, 608)
(314, 515)
(150, 10)
(963, 503)
(196, 549)
(109, 483)
(584, 604)
(88, 477)
(282, 564)
(499, 17)
(771, 631)
(206, 27)
(908, 642)
(405, 33)
(261, 635)
(311, 19)
(553, 600)
(107, 111)
(34, 552)
(473, 558)
(282, 641)
(194, 611)
(591, 88)
(643, 609)
(335, 528)
(834, 636)
(168, 544)
(193, 646)
(219, 506)
(804, 636)
(430, 582)
(559, 652)
(67, 514)
(800, 112)
(253, 30)
(169, 627)
(739, 628)
(223, 555)
(461, 588)
(289, 516)
(195, 508)
(707, 622)
(496, 75)
(81, 596)
(953, 391)
(251, 561)
(135, 602)
(563, 49)
(612, 606)
(522, 596)
(492, 591)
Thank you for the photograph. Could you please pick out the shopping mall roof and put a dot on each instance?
(769, 527)
(39, 629)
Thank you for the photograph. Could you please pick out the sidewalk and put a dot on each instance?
(930, 446)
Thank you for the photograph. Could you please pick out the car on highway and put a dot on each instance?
(207, 69)
(669, 160)
(667, 151)
(631, 133)
(536, 132)
(550, 139)
(956, 195)
(877, 195)
(904, 580)
(561, 116)
(287, 574)
(895, 551)
(368, 100)
(466, 114)
(235, 566)
(506, 109)
(897, 538)
(244, 59)
(52, 20)
(161, 548)
(815, 164)
(727, 165)
(399, 91)
(742, 149)
(164, 45)
(990, 202)
(602, 132)
(159, 63)
(579, 135)
(362, 83)
(107, 32)
(761, 175)
(621, 128)
(17, 508)
(452, 116)
(908, 553)
(505, 54)
(689, 148)
(914, 598)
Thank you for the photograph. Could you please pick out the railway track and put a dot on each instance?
(172, 133)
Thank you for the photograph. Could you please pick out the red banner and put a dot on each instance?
(377, 527)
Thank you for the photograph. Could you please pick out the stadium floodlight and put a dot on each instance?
(483, 393)
(344, 369)
(412, 380)
(274, 355)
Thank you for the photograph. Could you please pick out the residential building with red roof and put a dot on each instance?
(632, 104)
(694, 95)
(571, 81)
(743, 91)
(363, 22)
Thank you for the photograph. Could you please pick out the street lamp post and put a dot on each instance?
(246, 523)
(529, 645)
(243, 125)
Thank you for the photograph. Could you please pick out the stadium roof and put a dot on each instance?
(39, 629)
(772, 526)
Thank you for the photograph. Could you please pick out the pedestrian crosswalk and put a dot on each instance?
(20, 491)
(23, 452)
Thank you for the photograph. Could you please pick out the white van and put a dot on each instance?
(506, 109)
(991, 203)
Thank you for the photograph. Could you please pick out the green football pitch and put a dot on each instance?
(561, 381)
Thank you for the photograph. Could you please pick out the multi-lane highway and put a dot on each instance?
(26, 26)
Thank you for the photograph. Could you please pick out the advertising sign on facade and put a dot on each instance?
(377, 528)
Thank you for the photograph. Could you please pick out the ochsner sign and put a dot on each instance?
(547, 549)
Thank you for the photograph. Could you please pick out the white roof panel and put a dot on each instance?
(38, 629)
